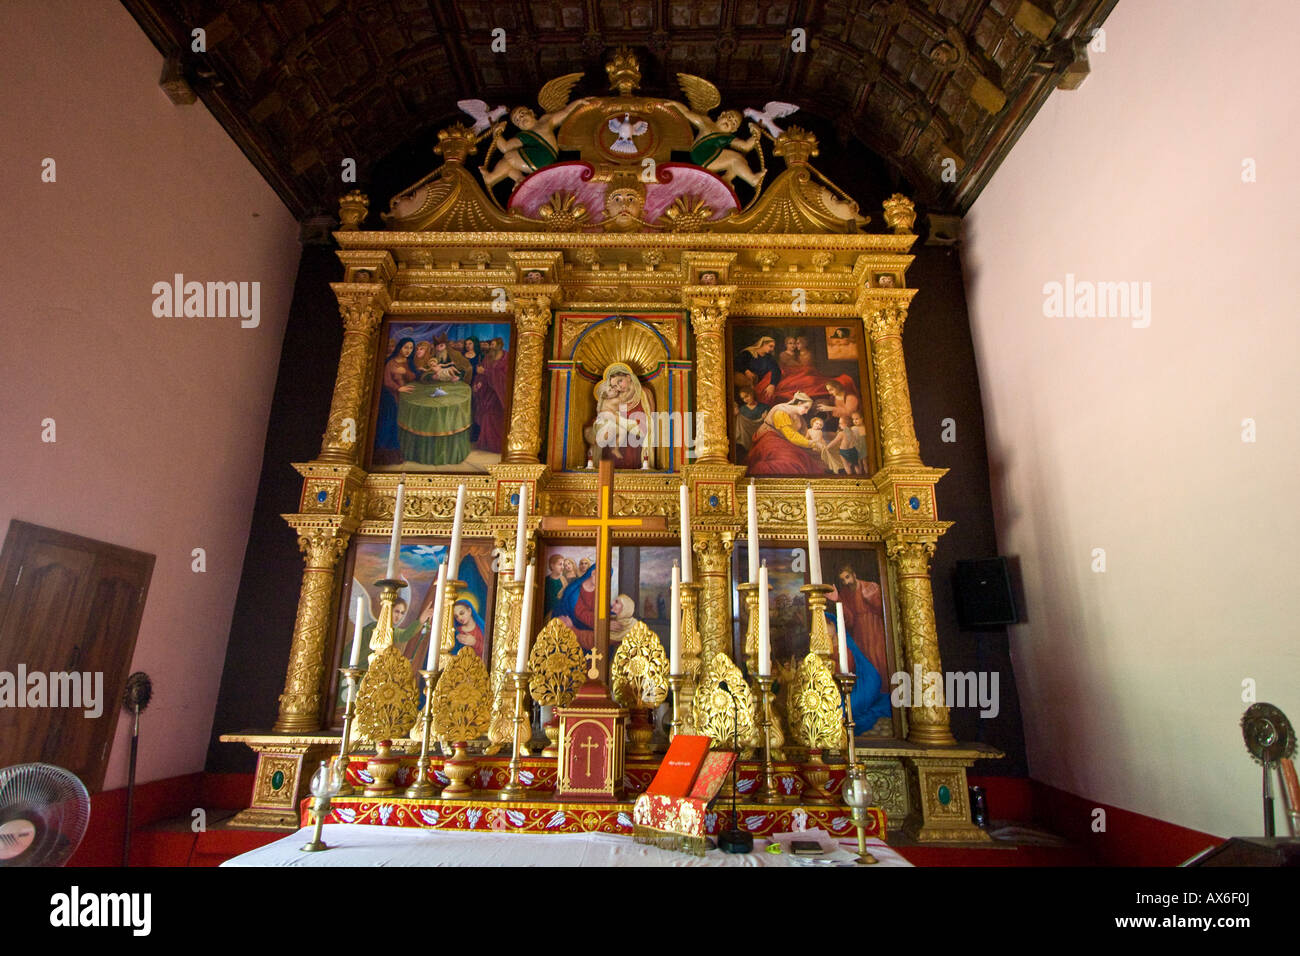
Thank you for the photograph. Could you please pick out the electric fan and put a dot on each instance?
(43, 815)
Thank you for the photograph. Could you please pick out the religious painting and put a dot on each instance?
(569, 590)
(801, 401)
(442, 396)
(413, 610)
(857, 575)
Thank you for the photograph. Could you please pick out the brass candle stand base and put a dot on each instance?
(383, 768)
(819, 636)
(424, 788)
(767, 790)
(514, 789)
(352, 681)
(675, 682)
(320, 806)
(552, 731)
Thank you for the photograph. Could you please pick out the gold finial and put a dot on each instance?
(900, 214)
(624, 71)
(796, 144)
(352, 209)
(456, 143)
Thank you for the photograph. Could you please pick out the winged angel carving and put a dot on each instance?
(536, 144)
(717, 147)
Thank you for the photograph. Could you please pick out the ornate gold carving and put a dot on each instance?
(713, 556)
(900, 214)
(639, 672)
(386, 703)
(708, 307)
(505, 648)
(893, 401)
(460, 700)
(532, 319)
(362, 308)
(300, 702)
(264, 792)
(928, 723)
(557, 664)
(814, 703)
(352, 209)
(716, 715)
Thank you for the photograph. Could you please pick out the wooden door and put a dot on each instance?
(68, 605)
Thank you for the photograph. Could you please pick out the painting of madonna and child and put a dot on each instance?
(856, 574)
(442, 396)
(797, 400)
(641, 590)
(413, 610)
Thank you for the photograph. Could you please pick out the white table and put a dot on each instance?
(354, 845)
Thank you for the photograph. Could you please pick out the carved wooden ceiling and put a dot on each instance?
(301, 84)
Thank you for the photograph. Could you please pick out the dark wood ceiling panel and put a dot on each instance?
(301, 84)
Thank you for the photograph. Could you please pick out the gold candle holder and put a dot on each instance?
(447, 626)
(768, 792)
(846, 682)
(749, 591)
(352, 678)
(514, 789)
(819, 637)
(382, 636)
(692, 649)
(459, 767)
(424, 788)
(505, 715)
(675, 682)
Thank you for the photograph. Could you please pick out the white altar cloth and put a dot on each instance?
(360, 845)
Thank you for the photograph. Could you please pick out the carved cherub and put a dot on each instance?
(536, 145)
(716, 146)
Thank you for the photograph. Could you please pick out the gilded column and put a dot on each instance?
(505, 644)
(708, 307)
(532, 319)
(893, 401)
(300, 703)
(927, 723)
(713, 561)
(362, 307)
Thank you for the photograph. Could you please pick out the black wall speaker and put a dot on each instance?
(984, 593)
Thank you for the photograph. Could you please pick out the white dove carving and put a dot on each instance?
(772, 111)
(479, 112)
(626, 130)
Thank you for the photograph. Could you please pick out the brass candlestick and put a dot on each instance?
(749, 592)
(675, 682)
(846, 682)
(768, 792)
(323, 788)
(424, 788)
(692, 649)
(857, 794)
(382, 636)
(352, 678)
(819, 637)
(514, 790)
(447, 626)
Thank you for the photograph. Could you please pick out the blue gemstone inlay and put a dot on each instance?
(713, 501)
(321, 496)
(514, 499)
(891, 507)
(914, 503)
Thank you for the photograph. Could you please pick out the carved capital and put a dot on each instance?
(532, 313)
(911, 557)
(322, 547)
(886, 321)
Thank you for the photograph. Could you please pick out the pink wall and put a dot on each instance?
(1107, 435)
(160, 422)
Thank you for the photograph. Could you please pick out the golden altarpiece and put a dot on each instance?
(613, 250)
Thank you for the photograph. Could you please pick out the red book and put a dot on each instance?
(681, 764)
(709, 781)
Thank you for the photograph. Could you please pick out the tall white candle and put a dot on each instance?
(686, 532)
(521, 536)
(453, 554)
(842, 636)
(435, 626)
(395, 542)
(814, 552)
(764, 625)
(752, 546)
(525, 622)
(356, 634)
(675, 625)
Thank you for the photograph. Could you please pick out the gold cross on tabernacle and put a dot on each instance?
(605, 525)
(589, 746)
(593, 655)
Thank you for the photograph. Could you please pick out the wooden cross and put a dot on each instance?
(605, 524)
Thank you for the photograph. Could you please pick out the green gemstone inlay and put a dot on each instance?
(945, 795)
(277, 780)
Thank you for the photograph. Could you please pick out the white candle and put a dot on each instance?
(753, 533)
(842, 636)
(356, 634)
(764, 633)
(525, 622)
(814, 553)
(395, 542)
(453, 555)
(521, 536)
(675, 626)
(435, 626)
(686, 532)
